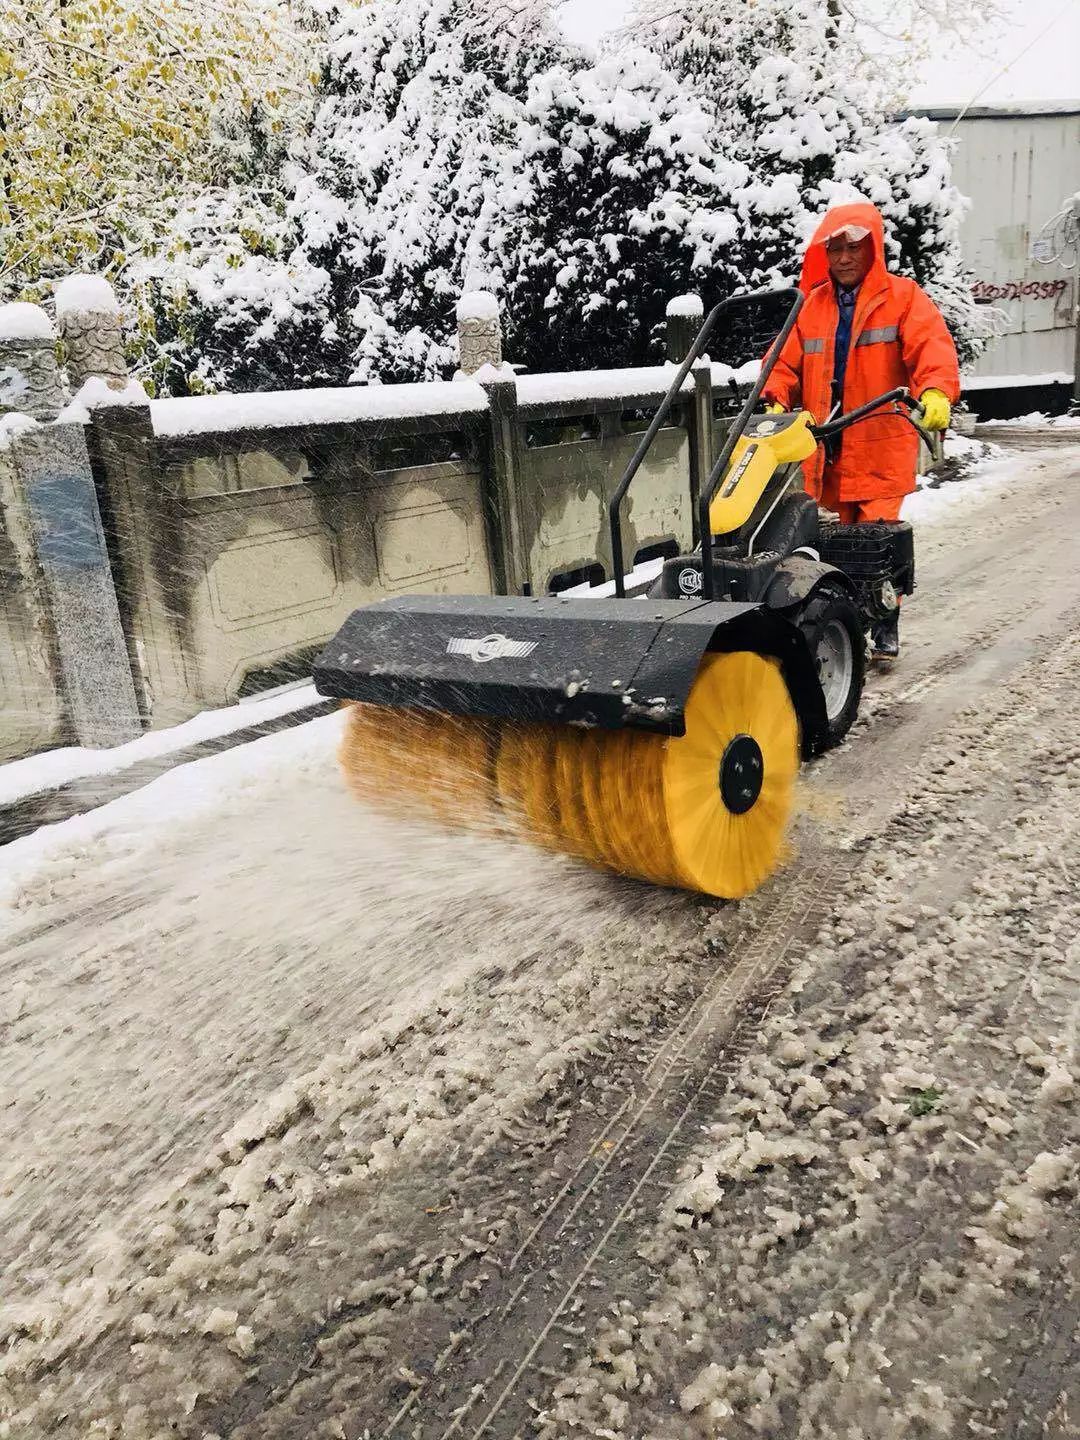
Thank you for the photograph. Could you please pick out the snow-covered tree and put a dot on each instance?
(408, 162)
(787, 90)
(460, 144)
(112, 111)
(884, 43)
(622, 203)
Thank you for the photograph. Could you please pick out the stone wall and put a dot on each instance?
(237, 556)
(158, 558)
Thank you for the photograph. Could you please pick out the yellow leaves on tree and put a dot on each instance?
(113, 110)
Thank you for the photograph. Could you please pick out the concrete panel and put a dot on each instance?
(271, 576)
(240, 564)
(31, 708)
(565, 491)
(251, 470)
(405, 559)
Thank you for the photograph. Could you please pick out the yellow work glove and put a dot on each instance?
(937, 412)
(773, 408)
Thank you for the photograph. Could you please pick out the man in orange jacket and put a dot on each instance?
(861, 332)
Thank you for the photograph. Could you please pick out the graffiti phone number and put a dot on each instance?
(985, 291)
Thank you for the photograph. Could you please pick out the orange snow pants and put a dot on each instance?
(854, 512)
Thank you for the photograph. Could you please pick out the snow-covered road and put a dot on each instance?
(289, 1092)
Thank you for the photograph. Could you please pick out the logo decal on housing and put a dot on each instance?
(492, 647)
(739, 471)
(690, 581)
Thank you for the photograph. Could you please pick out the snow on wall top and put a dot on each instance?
(690, 305)
(12, 426)
(278, 409)
(477, 305)
(21, 321)
(97, 393)
(583, 385)
(722, 375)
(85, 294)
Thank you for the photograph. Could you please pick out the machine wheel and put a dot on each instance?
(836, 638)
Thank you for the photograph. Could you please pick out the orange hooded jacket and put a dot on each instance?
(898, 338)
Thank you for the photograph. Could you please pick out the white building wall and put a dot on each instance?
(1017, 164)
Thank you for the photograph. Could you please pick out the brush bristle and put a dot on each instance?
(640, 804)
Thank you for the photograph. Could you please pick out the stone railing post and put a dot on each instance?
(684, 315)
(479, 332)
(29, 376)
(88, 314)
(509, 542)
(51, 486)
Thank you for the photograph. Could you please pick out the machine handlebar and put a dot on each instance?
(794, 300)
(902, 403)
(900, 399)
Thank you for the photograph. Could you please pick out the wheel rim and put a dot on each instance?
(727, 825)
(706, 810)
(835, 661)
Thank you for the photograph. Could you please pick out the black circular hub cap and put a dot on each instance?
(741, 772)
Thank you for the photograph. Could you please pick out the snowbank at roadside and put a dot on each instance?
(1036, 420)
(180, 795)
(53, 768)
(971, 470)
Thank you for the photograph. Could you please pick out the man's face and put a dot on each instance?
(849, 260)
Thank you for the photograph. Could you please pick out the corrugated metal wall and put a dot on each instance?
(1017, 169)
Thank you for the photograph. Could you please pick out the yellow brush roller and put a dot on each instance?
(706, 810)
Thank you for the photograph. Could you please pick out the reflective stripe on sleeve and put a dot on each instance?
(879, 337)
(813, 347)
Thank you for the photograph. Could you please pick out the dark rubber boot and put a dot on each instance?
(885, 637)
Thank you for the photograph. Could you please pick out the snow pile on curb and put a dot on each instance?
(52, 768)
(1038, 421)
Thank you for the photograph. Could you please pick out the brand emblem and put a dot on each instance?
(690, 581)
(737, 474)
(491, 647)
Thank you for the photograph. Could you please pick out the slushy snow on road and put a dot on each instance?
(288, 1085)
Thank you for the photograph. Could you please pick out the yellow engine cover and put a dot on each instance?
(769, 442)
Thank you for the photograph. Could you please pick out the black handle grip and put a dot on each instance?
(833, 427)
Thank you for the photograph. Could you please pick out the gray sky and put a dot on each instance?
(1048, 30)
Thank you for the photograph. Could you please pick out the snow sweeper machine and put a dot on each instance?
(657, 736)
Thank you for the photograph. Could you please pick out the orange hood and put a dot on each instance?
(816, 262)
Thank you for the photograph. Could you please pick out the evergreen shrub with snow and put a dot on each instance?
(464, 146)
(624, 204)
